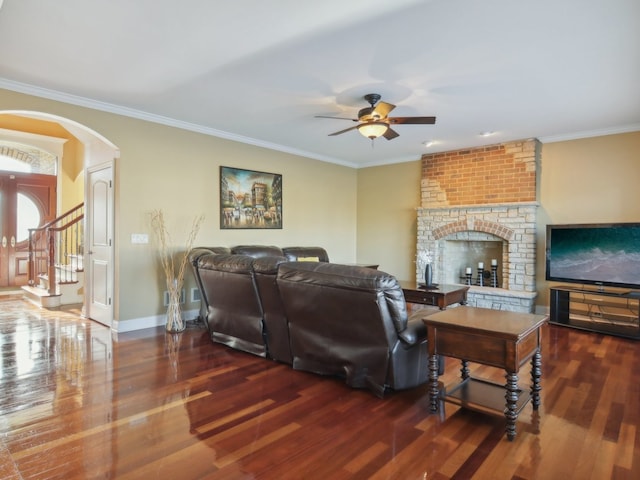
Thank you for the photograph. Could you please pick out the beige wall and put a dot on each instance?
(365, 215)
(178, 171)
(586, 181)
(387, 221)
(581, 181)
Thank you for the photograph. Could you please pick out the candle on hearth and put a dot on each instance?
(480, 265)
(468, 271)
(494, 262)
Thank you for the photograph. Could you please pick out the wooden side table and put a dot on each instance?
(441, 296)
(501, 339)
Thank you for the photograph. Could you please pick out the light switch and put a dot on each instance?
(139, 238)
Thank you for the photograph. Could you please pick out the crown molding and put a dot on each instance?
(563, 137)
(159, 119)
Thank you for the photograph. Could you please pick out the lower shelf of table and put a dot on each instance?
(483, 396)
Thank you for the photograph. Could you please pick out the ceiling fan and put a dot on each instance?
(374, 121)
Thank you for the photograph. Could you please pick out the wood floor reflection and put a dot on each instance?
(79, 403)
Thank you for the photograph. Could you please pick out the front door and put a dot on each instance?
(27, 200)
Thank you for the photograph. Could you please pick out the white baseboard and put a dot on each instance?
(149, 322)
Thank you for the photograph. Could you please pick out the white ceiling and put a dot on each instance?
(258, 71)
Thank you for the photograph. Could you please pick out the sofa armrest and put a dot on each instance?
(416, 330)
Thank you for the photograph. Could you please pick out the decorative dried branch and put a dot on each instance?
(174, 277)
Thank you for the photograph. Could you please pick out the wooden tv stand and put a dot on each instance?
(604, 311)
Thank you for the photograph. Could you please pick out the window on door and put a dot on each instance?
(28, 216)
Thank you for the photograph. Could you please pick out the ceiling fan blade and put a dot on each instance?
(412, 120)
(382, 109)
(390, 134)
(338, 118)
(344, 131)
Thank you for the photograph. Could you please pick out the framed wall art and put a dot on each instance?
(250, 199)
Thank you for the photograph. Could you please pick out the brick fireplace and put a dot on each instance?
(479, 205)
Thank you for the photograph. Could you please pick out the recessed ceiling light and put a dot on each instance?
(486, 134)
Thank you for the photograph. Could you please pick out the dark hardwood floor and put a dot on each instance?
(79, 404)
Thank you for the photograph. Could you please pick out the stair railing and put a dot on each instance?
(56, 249)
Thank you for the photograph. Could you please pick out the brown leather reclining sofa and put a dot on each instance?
(293, 306)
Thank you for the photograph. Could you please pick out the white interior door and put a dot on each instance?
(99, 248)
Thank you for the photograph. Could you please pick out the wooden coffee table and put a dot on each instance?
(501, 339)
(440, 296)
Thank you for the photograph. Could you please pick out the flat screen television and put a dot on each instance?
(603, 254)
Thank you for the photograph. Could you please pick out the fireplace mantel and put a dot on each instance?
(479, 207)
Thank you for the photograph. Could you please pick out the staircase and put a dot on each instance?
(56, 270)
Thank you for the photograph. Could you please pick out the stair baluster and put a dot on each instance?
(57, 247)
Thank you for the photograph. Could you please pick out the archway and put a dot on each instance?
(96, 154)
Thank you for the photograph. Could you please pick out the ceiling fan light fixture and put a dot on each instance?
(374, 121)
(373, 129)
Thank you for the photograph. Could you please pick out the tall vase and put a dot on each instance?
(172, 342)
(428, 275)
(174, 323)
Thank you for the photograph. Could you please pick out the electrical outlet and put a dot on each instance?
(195, 295)
(140, 238)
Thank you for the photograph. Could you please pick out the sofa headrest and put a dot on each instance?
(197, 252)
(257, 251)
(226, 263)
(350, 277)
(268, 265)
(306, 254)
(336, 275)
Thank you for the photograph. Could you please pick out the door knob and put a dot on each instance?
(4, 241)
(13, 241)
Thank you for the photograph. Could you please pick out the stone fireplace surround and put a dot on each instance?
(485, 195)
(514, 225)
